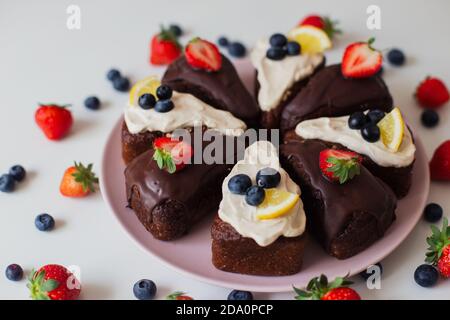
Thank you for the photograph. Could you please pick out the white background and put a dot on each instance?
(42, 61)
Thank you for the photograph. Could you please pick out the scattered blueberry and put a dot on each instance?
(18, 172)
(268, 178)
(147, 101)
(113, 74)
(276, 53)
(14, 272)
(365, 274)
(240, 295)
(433, 212)
(164, 106)
(396, 57)
(239, 184)
(430, 118)
(121, 84)
(255, 195)
(237, 49)
(92, 103)
(278, 40)
(371, 133)
(426, 275)
(144, 289)
(164, 92)
(223, 41)
(375, 115)
(176, 30)
(7, 183)
(293, 48)
(357, 120)
(44, 222)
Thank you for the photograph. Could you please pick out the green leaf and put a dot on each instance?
(49, 285)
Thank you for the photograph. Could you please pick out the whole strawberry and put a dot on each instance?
(54, 120)
(339, 165)
(324, 23)
(432, 93)
(440, 163)
(53, 282)
(319, 289)
(178, 295)
(164, 47)
(439, 248)
(78, 181)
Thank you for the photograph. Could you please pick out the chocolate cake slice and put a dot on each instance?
(330, 94)
(168, 205)
(345, 218)
(222, 89)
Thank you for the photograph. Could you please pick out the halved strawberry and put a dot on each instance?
(432, 93)
(171, 154)
(339, 165)
(202, 54)
(361, 60)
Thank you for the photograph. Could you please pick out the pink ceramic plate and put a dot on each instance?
(192, 255)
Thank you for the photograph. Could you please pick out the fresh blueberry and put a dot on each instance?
(7, 183)
(293, 48)
(14, 272)
(239, 184)
(164, 106)
(113, 74)
(254, 195)
(44, 222)
(430, 118)
(433, 212)
(375, 115)
(176, 30)
(92, 103)
(278, 40)
(223, 41)
(426, 275)
(357, 120)
(121, 84)
(365, 274)
(371, 133)
(276, 53)
(396, 57)
(240, 295)
(18, 172)
(164, 92)
(237, 49)
(147, 101)
(268, 178)
(144, 289)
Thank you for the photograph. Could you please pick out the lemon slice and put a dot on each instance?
(146, 85)
(276, 203)
(392, 129)
(311, 39)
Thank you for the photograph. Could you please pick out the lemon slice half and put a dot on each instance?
(311, 39)
(146, 85)
(392, 129)
(276, 204)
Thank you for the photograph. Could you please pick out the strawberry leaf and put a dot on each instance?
(85, 176)
(164, 160)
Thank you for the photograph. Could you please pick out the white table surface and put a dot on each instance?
(41, 60)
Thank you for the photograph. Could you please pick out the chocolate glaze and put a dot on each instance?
(364, 194)
(222, 89)
(330, 94)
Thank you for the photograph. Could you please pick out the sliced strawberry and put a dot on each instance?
(361, 60)
(440, 163)
(202, 54)
(164, 48)
(324, 23)
(432, 93)
(339, 165)
(171, 154)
